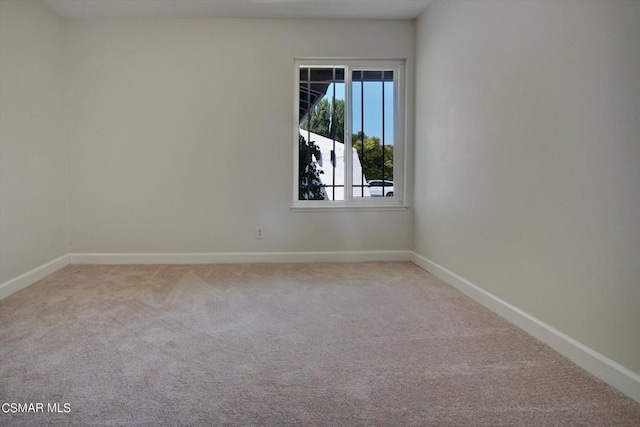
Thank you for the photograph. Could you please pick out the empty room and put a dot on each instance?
(308, 212)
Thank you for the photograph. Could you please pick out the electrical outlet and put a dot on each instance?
(259, 234)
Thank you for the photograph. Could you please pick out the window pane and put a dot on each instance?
(321, 171)
(304, 93)
(373, 132)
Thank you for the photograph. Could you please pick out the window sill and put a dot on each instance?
(353, 207)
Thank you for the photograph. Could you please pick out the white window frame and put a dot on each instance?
(395, 202)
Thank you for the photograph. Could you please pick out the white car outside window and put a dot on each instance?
(379, 188)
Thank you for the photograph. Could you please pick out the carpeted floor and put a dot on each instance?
(281, 344)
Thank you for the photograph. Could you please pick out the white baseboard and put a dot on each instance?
(30, 277)
(14, 285)
(237, 257)
(612, 373)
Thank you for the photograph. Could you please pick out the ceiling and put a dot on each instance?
(317, 9)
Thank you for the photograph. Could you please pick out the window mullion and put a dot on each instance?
(399, 100)
(348, 154)
(382, 136)
(332, 133)
(362, 160)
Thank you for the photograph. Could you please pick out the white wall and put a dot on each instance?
(528, 159)
(33, 217)
(180, 135)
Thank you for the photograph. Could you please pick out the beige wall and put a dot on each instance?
(528, 159)
(33, 218)
(180, 135)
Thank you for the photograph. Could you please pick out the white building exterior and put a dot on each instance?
(336, 176)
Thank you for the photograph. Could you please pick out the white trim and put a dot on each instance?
(32, 276)
(313, 206)
(238, 257)
(612, 373)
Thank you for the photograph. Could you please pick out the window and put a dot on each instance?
(349, 134)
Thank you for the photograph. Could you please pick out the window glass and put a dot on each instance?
(348, 136)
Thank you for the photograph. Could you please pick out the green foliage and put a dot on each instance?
(339, 121)
(321, 120)
(372, 159)
(309, 183)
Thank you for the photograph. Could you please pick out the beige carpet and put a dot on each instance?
(281, 344)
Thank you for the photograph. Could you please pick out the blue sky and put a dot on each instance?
(372, 108)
